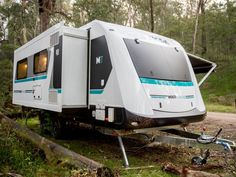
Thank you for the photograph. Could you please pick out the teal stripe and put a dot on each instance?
(164, 82)
(31, 79)
(189, 97)
(177, 97)
(58, 90)
(159, 96)
(40, 77)
(24, 80)
(96, 91)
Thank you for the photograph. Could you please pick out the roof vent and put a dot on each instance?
(54, 39)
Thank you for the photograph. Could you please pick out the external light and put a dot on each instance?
(44, 60)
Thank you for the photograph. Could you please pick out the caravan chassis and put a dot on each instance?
(183, 138)
(153, 136)
(164, 135)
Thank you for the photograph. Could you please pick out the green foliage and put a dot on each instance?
(21, 21)
(220, 88)
(6, 105)
(87, 10)
(22, 157)
(5, 85)
(7, 51)
(216, 107)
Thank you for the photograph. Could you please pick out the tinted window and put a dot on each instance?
(155, 61)
(40, 62)
(22, 66)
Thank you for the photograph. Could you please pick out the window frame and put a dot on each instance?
(46, 64)
(17, 68)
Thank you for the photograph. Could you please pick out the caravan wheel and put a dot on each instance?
(52, 124)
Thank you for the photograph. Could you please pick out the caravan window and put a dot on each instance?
(22, 66)
(157, 61)
(40, 62)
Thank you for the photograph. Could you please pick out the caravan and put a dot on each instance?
(109, 75)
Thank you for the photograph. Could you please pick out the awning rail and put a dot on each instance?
(201, 65)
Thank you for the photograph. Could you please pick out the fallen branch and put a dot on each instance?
(14, 175)
(206, 167)
(186, 172)
(189, 172)
(11, 174)
(55, 152)
(169, 167)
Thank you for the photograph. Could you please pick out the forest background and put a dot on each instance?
(206, 28)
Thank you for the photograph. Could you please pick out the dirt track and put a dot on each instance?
(214, 121)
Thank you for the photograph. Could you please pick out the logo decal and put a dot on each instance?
(99, 60)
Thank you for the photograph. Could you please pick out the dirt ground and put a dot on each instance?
(214, 121)
(105, 149)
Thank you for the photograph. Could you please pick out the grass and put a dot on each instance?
(214, 107)
(21, 157)
(105, 149)
(219, 91)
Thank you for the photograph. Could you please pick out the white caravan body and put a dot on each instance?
(112, 75)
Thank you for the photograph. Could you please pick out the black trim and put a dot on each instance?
(88, 63)
(57, 65)
(18, 63)
(124, 119)
(38, 54)
(144, 122)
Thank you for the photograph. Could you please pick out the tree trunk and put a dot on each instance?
(204, 45)
(151, 15)
(230, 37)
(46, 8)
(190, 10)
(196, 28)
(24, 32)
(24, 29)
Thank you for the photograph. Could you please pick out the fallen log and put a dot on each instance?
(56, 152)
(206, 167)
(187, 172)
(169, 167)
(14, 175)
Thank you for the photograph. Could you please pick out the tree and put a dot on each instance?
(45, 9)
(151, 15)
(108, 10)
(196, 27)
(203, 36)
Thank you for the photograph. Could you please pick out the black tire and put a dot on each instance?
(52, 124)
(58, 129)
(43, 119)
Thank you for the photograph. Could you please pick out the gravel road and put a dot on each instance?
(214, 121)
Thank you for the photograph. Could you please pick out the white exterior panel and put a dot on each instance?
(74, 62)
